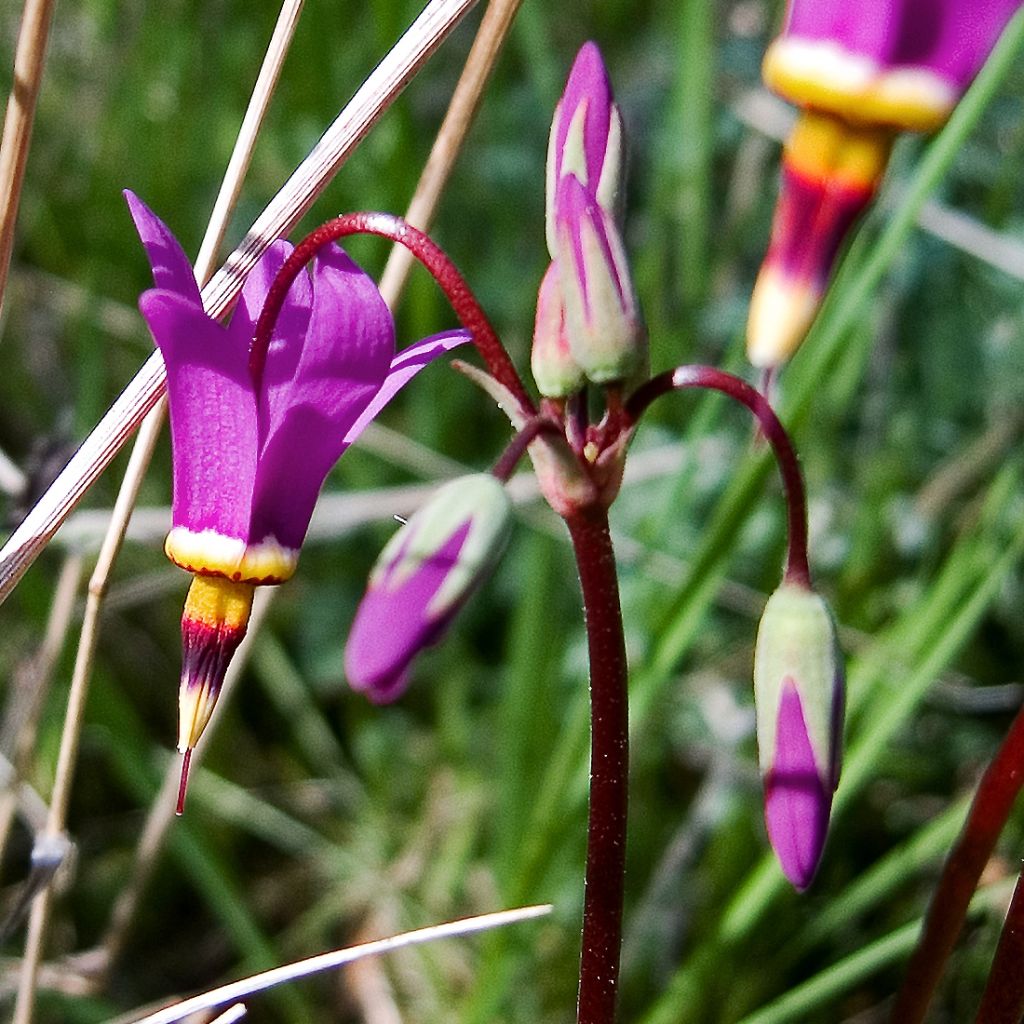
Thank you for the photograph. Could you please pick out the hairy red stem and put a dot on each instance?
(452, 283)
(609, 769)
(707, 377)
(1003, 1000)
(992, 804)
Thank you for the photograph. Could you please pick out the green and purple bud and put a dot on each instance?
(556, 372)
(799, 695)
(423, 577)
(606, 337)
(586, 138)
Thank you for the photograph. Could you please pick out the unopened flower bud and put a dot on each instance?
(586, 138)
(799, 694)
(423, 577)
(605, 334)
(556, 372)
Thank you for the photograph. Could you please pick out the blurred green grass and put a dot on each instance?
(319, 818)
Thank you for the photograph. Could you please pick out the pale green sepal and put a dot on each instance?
(479, 500)
(605, 336)
(796, 640)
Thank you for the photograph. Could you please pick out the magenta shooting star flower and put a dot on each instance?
(584, 170)
(799, 694)
(422, 578)
(252, 448)
(861, 73)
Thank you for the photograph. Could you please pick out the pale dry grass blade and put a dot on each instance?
(74, 715)
(29, 60)
(465, 102)
(30, 685)
(376, 94)
(236, 1013)
(327, 961)
(241, 156)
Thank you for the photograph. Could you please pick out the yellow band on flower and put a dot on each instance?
(212, 626)
(826, 148)
(218, 603)
(823, 75)
(212, 554)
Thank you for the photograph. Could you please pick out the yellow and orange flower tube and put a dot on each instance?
(861, 73)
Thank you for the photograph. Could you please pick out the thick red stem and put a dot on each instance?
(452, 283)
(992, 804)
(1003, 1000)
(683, 377)
(609, 769)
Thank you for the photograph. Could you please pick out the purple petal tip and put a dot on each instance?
(797, 804)
(393, 625)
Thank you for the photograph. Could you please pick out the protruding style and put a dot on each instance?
(423, 577)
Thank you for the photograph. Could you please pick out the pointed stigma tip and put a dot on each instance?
(186, 761)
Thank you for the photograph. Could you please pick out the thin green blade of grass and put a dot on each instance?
(765, 882)
(831, 983)
(225, 896)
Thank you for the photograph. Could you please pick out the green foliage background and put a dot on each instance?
(318, 818)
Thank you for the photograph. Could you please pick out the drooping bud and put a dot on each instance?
(799, 695)
(556, 372)
(605, 335)
(212, 626)
(423, 577)
(586, 138)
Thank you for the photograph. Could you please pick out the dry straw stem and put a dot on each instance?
(376, 94)
(29, 59)
(128, 494)
(27, 694)
(465, 102)
(327, 961)
(238, 165)
(140, 458)
(74, 715)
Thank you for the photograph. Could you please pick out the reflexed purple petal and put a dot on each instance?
(587, 84)
(213, 415)
(797, 804)
(172, 269)
(951, 37)
(404, 367)
(304, 419)
(871, 28)
(965, 37)
(391, 626)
